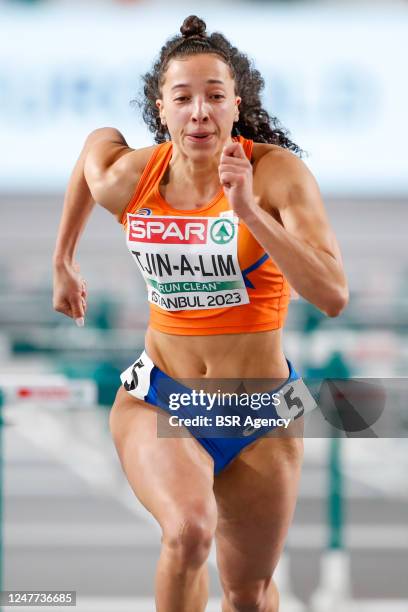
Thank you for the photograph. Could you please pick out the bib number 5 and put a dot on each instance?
(293, 401)
(130, 386)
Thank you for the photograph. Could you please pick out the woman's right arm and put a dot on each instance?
(93, 179)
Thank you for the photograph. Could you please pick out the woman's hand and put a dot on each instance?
(235, 173)
(70, 292)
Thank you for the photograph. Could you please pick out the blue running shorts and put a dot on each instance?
(222, 428)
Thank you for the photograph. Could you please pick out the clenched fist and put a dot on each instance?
(70, 292)
(236, 177)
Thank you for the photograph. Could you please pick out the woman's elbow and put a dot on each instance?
(338, 302)
(104, 133)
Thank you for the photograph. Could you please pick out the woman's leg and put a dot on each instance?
(173, 479)
(256, 497)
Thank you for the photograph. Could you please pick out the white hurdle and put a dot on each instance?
(334, 589)
(288, 601)
(54, 389)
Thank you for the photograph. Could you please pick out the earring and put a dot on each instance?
(163, 121)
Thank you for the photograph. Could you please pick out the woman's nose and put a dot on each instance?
(200, 110)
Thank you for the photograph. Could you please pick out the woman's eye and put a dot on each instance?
(215, 96)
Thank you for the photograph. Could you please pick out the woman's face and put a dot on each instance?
(198, 104)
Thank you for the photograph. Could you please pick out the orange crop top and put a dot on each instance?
(205, 273)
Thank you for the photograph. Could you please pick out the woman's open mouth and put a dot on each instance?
(200, 137)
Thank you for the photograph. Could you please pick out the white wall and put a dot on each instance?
(335, 77)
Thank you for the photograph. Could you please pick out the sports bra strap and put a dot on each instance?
(152, 173)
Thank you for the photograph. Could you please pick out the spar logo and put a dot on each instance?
(170, 230)
(222, 231)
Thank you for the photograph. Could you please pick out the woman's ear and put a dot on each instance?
(159, 104)
(237, 103)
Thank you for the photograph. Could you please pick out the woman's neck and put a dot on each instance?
(195, 176)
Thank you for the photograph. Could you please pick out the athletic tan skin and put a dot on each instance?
(249, 506)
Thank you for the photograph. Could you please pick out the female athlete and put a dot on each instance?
(221, 217)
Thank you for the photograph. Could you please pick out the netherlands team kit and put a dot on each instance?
(206, 274)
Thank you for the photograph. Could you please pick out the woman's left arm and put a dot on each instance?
(304, 248)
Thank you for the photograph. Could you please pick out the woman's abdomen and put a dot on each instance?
(249, 355)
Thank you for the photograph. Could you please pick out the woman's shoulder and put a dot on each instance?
(270, 158)
(278, 172)
(116, 185)
(274, 153)
(135, 161)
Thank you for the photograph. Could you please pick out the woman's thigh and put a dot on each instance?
(171, 476)
(256, 498)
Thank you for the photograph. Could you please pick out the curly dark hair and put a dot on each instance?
(254, 121)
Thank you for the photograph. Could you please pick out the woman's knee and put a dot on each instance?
(188, 538)
(251, 597)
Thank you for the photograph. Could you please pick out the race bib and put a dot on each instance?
(188, 263)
